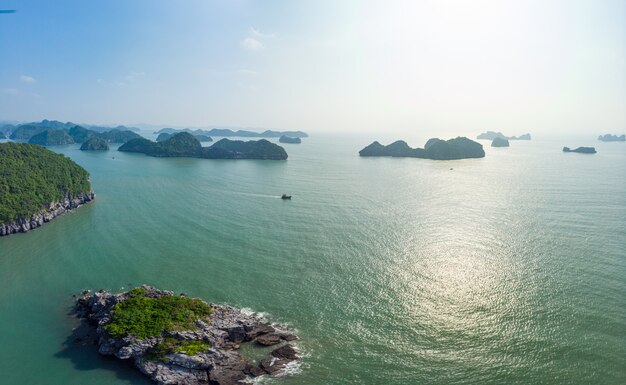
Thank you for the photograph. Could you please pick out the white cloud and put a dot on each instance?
(251, 44)
(247, 72)
(260, 35)
(27, 79)
(254, 41)
(100, 80)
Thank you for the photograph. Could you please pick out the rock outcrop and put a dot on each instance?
(500, 142)
(436, 149)
(581, 150)
(23, 225)
(217, 338)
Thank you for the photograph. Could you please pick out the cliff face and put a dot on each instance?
(23, 225)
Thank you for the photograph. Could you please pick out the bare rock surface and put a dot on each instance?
(23, 225)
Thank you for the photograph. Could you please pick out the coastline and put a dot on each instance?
(22, 225)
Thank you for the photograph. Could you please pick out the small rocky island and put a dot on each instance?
(289, 139)
(581, 150)
(436, 149)
(184, 144)
(37, 185)
(499, 142)
(612, 138)
(491, 135)
(95, 143)
(180, 340)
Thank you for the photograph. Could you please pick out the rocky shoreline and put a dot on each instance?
(55, 209)
(221, 334)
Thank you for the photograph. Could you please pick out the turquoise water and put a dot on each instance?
(505, 270)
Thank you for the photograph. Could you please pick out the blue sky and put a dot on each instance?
(518, 66)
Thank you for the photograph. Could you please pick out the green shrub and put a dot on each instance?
(172, 345)
(148, 317)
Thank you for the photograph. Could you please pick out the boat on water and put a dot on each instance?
(285, 196)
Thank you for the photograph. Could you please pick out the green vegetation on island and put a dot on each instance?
(51, 137)
(166, 135)
(32, 177)
(95, 143)
(80, 134)
(26, 131)
(180, 340)
(52, 132)
(171, 345)
(118, 136)
(145, 317)
(184, 144)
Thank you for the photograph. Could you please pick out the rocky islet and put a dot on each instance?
(216, 338)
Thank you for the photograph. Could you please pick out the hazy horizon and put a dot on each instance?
(396, 67)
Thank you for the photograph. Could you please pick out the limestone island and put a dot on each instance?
(95, 143)
(289, 139)
(436, 149)
(51, 137)
(175, 339)
(581, 150)
(491, 135)
(612, 138)
(184, 144)
(37, 185)
(227, 132)
(164, 136)
(499, 142)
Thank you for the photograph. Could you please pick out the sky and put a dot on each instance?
(554, 66)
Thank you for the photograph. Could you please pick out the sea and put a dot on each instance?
(510, 269)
